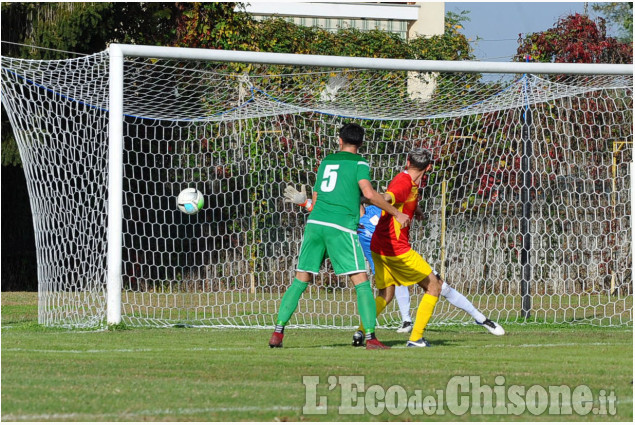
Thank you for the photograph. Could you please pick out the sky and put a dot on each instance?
(497, 24)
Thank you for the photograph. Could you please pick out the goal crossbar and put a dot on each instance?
(367, 63)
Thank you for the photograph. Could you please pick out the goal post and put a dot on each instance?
(136, 124)
(115, 185)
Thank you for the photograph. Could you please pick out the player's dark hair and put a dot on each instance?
(352, 134)
(420, 158)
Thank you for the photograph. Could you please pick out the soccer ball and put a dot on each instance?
(190, 201)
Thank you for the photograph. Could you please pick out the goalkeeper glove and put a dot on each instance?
(299, 198)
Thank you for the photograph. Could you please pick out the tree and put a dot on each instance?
(57, 29)
(575, 39)
(451, 45)
(213, 26)
(225, 26)
(620, 13)
(83, 28)
(86, 28)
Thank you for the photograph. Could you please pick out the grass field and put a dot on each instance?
(205, 374)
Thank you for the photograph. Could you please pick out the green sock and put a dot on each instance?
(290, 301)
(366, 306)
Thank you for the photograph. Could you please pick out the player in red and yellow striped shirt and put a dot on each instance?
(397, 264)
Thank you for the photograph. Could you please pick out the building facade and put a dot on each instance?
(407, 19)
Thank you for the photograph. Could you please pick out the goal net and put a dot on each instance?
(527, 210)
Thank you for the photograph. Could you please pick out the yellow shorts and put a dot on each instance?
(401, 270)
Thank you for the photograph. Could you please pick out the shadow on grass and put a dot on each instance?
(392, 343)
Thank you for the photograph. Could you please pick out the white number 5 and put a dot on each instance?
(329, 179)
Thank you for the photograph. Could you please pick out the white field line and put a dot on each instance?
(69, 331)
(294, 327)
(127, 350)
(326, 347)
(129, 415)
(219, 409)
(564, 344)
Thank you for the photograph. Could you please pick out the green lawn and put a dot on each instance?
(204, 374)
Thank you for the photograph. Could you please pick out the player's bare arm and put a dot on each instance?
(365, 200)
(380, 201)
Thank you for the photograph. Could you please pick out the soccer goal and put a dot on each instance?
(527, 211)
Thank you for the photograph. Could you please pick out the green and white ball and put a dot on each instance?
(190, 201)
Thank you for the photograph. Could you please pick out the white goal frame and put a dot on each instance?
(118, 52)
(527, 211)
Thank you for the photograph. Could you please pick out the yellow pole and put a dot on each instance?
(613, 202)
(443, 212)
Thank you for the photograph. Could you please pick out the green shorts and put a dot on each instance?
(340, 244)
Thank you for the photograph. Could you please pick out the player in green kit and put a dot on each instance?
(331, 230)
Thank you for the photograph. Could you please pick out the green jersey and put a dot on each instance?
(338, 190)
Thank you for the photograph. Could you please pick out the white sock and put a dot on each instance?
(402, 293)
(458, 300)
